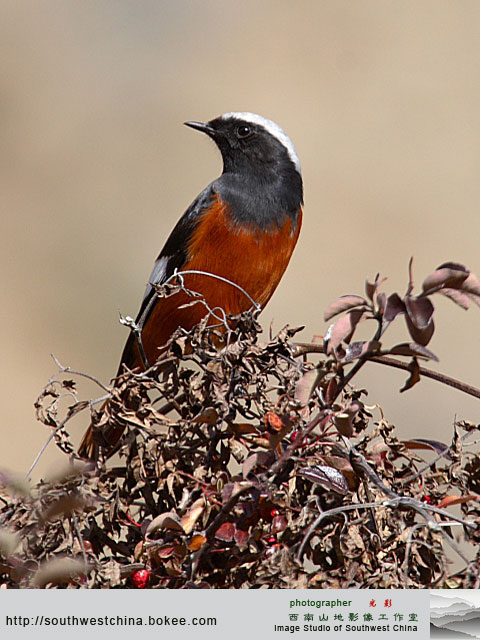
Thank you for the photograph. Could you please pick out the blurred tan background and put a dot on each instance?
(381, 98)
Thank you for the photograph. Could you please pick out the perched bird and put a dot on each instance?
(242, 228)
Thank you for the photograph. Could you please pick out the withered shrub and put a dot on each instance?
(258, 465)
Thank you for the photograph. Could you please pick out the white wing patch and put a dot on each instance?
(158, 275)
(272, 128)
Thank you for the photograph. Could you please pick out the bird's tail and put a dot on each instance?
(87, 445)
(106, 438)
(87, 448)
(107, 435)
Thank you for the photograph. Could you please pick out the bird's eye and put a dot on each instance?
(243, 131)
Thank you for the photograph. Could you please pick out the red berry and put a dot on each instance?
(140, 578)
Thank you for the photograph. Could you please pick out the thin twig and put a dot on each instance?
(361, 466)
(57, 428)
(129, 322)
(73, 518)
(441, 455)
(79, 373)
(217, 522)
(302, 348)
(429, 373)
(394, 503)
(179, 275)
(255, 304)
(297, 443)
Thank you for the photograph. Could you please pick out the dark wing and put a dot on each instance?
(174, 253)
(173, 256)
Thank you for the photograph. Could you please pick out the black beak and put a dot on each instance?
(201, 126)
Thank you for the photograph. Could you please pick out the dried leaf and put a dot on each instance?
(196, 510)
(370, 288)
(241, 537)
(138, 551)
(307, 384)
(432, 445)
(414, 377)
(456, 266)
(458, 297)
(225, 532)
(168, 520)
(242, 429)
(328, 477)
(343, 329)
(249, 464)
(342, 304)
(411, 349)
(445, 276)
(361, 349)
(197, 541)
(344, 423)
(274, 422)
(164, 552)
(77, 407)
(208, 416)
(393, 307)
(471, 287)
(449, 501)
(344, 466)
(331, 391)
(381, 302)
(421, 336)
(277, 427)
(420, 311)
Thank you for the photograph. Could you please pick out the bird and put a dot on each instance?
(232, 245)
